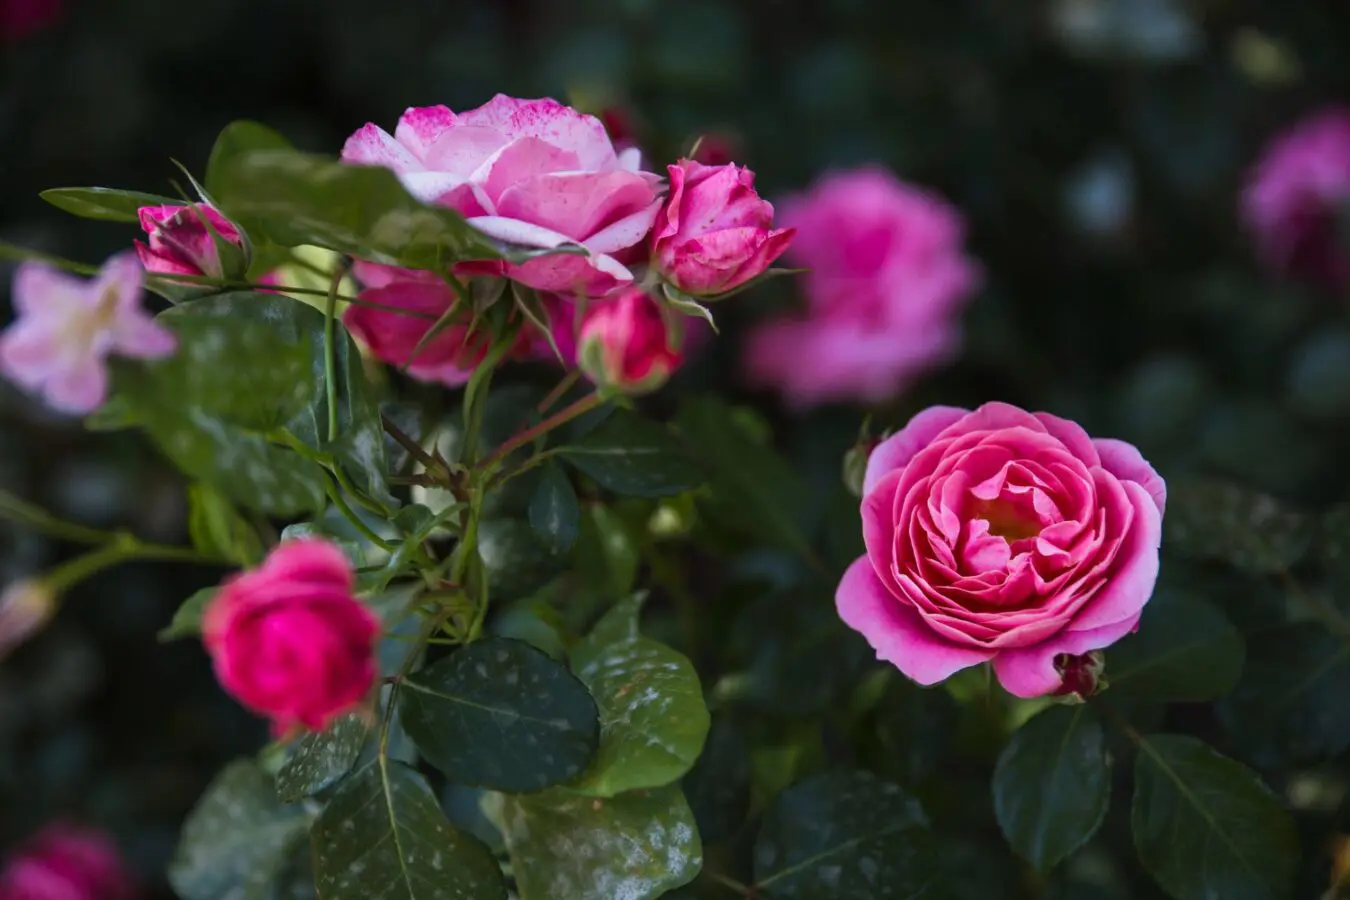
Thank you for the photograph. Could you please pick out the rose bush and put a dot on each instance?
(1002, 536)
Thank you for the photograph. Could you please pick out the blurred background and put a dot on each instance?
(1096, 147)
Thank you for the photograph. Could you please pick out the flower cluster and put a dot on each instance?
(538, 175)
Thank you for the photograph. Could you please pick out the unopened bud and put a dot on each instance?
(626, 346)
(1081, 676)
(26, 606)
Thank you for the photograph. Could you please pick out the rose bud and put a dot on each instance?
(290, 641)
(180, 243)
(626, 346)
(26, 606)
(1082, 676)
(715, 232)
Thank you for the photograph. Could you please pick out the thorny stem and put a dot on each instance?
(562, 417)
(726, 881)
(414, 449)
(335, 495)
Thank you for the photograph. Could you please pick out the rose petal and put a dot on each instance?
(371, 145)
(1126, 463)
(895, 632)
(420, 126)
(1030, 671)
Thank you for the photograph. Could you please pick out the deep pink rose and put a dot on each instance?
(715, 232)
(885, 284)
(625, 345)
(66, 862)
(1001, 536)
(1297, 195)
(529, 172)
(289, 639)
(180, 243)
(411, 308)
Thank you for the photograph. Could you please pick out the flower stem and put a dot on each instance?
(562, 417)
(329, 348)
(556, 394)
(335, 495)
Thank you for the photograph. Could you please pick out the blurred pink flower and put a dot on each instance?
(66, 862)
(887, 280)
(26, 606)
(1297, 196)
(22, 18)
(67, 327)
(534, 173)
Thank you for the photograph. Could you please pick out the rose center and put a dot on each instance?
(1007, 521)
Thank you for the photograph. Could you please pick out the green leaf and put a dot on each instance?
(1251, 531)
(217, 528)
(635, 846)
(634, 456)
(501, 714)
(1052, 784)
(916, 726)
(297, 198)
(554, 513)
(753, 489)
(320, 759)
(846, 836)
(515, 558)
(187, 621)
(1185, 651)
(383, 837)
(1207, 827)
(236, 839)
(653, 721)
(607, 557)
(718, 786)
(210, 406)
(104, 204)
(1287, 710)
(360, 447)
(237, 139)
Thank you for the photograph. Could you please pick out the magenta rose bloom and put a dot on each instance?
(66, 862)
(886, 281)
(625, 345)
(1296, 195)
(1002, 536)
(20, 19)
(289, 639)
(529, 172)
(180, 243)
(715, 232)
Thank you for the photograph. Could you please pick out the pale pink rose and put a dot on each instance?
(625, 345)
(66, 862)
(1297, 199)
(289, 639)
(1002, 536)
(22, 18)
(715, 232)
(67, 327)
(885, 284)
(180, 243)
(533, 173)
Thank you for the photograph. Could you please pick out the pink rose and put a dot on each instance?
(180, 241)
(1297, 195)
(290, 641)
(1002, 536)
(528, 172)
(886, 281)
(625, 344)
(66, 862)
(66, 328)
(410, 308)
(715, 232)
